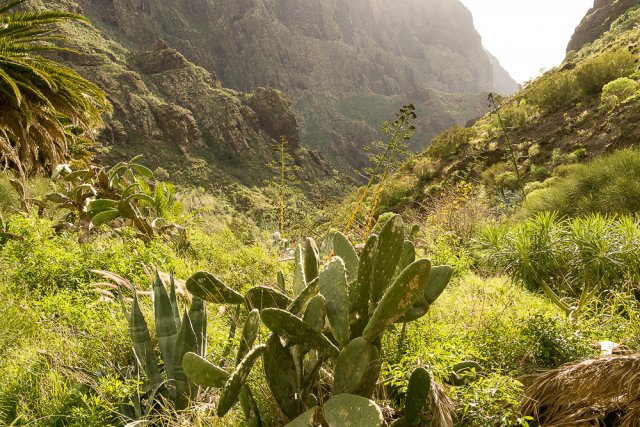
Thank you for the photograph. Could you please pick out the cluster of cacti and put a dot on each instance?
(176, 336)
(327, 340)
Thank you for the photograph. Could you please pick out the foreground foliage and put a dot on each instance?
(49, 111)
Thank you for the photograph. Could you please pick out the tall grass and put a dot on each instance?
(570, 260)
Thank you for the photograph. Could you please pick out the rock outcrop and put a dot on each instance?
(598, 21)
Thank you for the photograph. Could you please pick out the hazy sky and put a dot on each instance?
(527, 35)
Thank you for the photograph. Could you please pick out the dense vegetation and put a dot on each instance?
(129, 301)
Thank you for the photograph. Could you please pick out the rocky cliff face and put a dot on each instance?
(179, 115)
(598, 21)
(333, 58)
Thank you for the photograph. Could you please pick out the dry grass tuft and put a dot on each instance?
(598, 392)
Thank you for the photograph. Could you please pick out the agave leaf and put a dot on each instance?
(198, 316)
(174, 300)
(166, 329)
(142, 346)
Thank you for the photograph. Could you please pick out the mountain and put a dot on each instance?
(562, 118)
(598, 21)
(346, 65)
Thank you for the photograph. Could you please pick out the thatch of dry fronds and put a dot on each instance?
(442, 408)
(596, 392)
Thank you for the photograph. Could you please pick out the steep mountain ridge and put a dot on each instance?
(334, 58)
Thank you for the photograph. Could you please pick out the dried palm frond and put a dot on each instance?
(442, 408)
(586, 393)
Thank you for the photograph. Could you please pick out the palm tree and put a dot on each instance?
(44, 106)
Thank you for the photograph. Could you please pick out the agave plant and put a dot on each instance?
(45, 105)
(176, 335)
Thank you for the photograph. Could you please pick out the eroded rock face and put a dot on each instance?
(176, 113)
(335, 59)
(598, 21)
(300, 45)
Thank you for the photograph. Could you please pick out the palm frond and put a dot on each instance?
(586, 393)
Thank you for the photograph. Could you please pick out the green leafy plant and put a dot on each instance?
(605, 185)
(619, 90)
(571, 260)
(176, 335)
(336, 320)
(552, 91)
(96, 195)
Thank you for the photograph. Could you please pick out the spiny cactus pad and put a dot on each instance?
(209, 288)
(280, 371)
(347, 410)
(295, 330)
(343, 248)
(390, 244)
(233, 386)
(417, 395)
(333, 287)
(398, 299)
(357, 368)
(202, 372)
(261, 297)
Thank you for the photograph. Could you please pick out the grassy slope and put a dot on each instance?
(579, 131)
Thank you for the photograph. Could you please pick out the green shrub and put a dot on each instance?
(539, 173)
(492, 400)
(619, 90)
(507, 180)
(595, 72)
(607, 185)
(552, 91)
(450, 142)
(514, 114)
(554, 341)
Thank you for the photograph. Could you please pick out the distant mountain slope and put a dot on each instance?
(325, 55)
(179, 115)
(556, 120)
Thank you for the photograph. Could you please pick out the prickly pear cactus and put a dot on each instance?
(335, 324)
